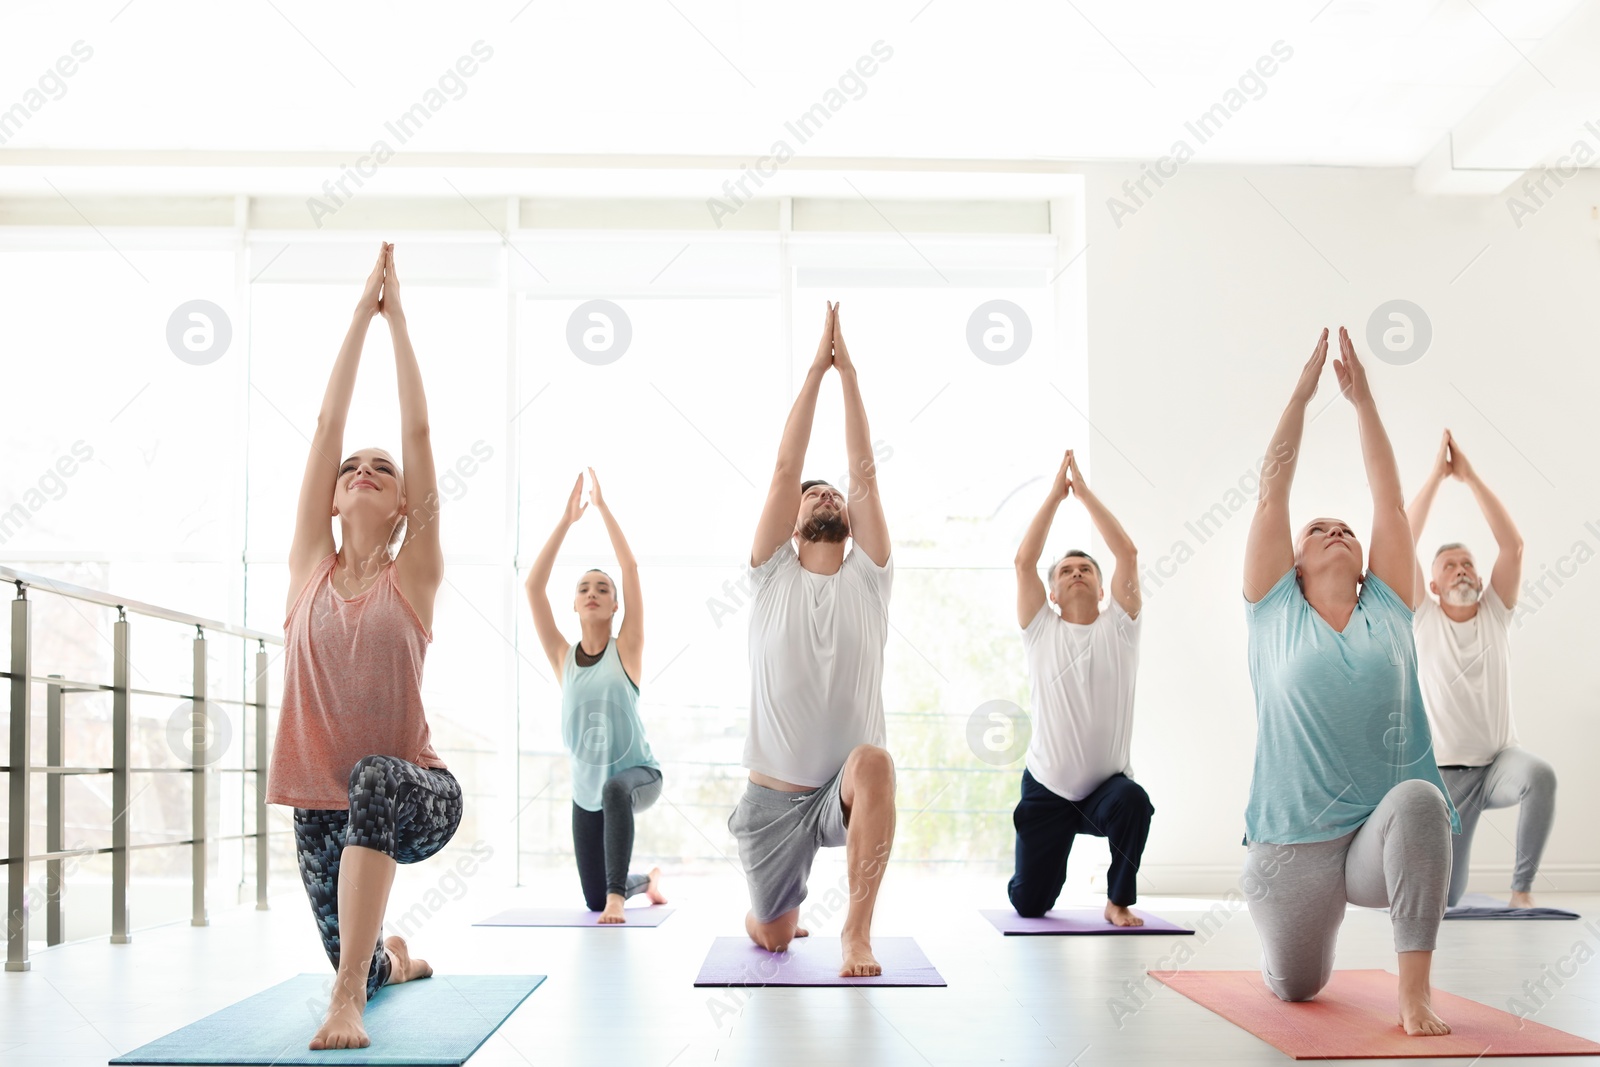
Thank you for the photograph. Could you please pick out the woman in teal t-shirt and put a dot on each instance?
(1346, 803)
(614, 774)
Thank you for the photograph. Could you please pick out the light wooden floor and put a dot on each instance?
(625, 998)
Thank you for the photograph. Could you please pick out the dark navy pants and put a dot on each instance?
(1118, 810)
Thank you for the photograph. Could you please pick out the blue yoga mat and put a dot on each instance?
(439, 1020)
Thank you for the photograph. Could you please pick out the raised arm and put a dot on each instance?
(1421, 504)
(420, 557)
(1030, 588)
(313, 524)
(630, 638)
(1269, 550)
(538, 583)
(868, 528)
(1507, 574)
(1125, 573)
(1392, 556)
(783, 496)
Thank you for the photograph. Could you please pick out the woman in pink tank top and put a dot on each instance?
(353, 755)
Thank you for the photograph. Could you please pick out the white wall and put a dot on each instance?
(1203, 306)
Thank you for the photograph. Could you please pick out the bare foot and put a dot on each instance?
(342, 1028)
(654, 890)
(1416, 995)
(1117, 915)
(1521, 900)
(858, 959)
(402, 967)
(1419, 1020)
(613, 912)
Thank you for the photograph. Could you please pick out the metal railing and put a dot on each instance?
(21, 770)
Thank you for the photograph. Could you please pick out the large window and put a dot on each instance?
(969, 346)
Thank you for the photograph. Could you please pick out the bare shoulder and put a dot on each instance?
(301, 572)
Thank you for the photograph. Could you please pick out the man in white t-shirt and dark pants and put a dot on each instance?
(1081, 667)
(819, 774)
(1463, 665)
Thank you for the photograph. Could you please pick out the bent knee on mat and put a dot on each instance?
(1295, 987)
(772, 942)
(1030, 900)
(1300, 979)
(775, 935)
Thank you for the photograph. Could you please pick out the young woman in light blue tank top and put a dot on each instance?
(614, 774)
(1346, 803)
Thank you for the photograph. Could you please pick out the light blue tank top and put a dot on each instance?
(600, 723)
(1339, 716)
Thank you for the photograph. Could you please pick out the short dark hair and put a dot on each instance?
(1081, 554)
(814, 481)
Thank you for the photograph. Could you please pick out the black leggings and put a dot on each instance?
(603, 840)
(405, 811)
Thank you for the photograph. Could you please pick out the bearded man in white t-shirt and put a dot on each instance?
(1464, 665)
(819, 773)
(1081, 667)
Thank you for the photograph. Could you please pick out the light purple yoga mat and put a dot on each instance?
(1076, 921)
(812, 961)
(654, 915)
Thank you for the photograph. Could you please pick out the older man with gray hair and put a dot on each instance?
(1463, 664)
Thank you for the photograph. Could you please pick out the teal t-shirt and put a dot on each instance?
(600, 723)
(1339, 716)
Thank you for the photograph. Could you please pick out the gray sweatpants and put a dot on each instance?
(1515, 776)
(1399, 859)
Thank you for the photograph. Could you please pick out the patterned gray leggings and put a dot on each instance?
(396, 807)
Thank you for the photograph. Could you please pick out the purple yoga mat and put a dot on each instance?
(812, 961)
(1077, 921)
(654, 915)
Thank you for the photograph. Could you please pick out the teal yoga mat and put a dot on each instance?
(438, 1020)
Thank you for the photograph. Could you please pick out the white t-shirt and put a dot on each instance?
(1465, 672)
(816, 664)
(1082, 678)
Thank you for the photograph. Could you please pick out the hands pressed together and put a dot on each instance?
(576, 505)
(1068, 478)
(1451, 462)
(831, 350)
(381, 294)
(1352, 375)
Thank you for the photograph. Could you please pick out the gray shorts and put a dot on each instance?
(779, 834)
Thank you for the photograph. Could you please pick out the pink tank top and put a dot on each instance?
(352, 687)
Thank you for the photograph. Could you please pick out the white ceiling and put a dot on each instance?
(1369, 83)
